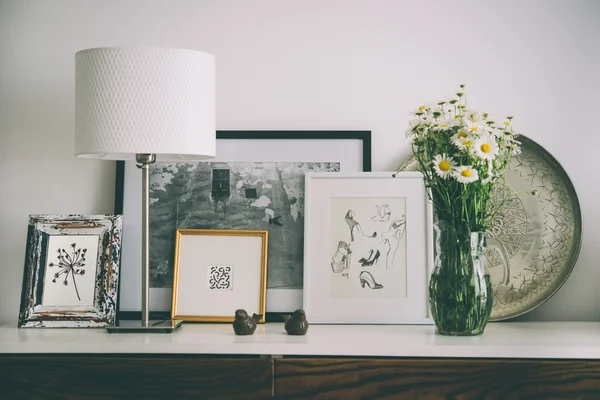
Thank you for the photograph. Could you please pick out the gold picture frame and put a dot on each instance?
(217, 272)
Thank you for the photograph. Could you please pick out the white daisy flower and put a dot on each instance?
(463, 143)
(516, 151)
(474, 116)
(446, 124)
(437, 108)
(462, 133)
(510, 141)
(465, 174)
(429, 120)
(421, 110)
(494, 131)
(443, 165)
(473, 126)
(486, 147)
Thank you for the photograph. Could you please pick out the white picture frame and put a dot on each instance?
(352, 149)
(368, 248)
(218, 272)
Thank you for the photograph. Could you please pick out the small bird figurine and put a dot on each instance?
(244, 324)
(296, 324)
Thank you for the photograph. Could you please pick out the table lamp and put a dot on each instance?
(147, 105)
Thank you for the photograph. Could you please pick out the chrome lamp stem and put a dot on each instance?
(143, 162)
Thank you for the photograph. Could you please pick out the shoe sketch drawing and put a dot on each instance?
(383, 213)
(372, 259)
(353, 224)
(363, 259)
(394, 235)
(366, 278)
(341, 259)
(386, 242)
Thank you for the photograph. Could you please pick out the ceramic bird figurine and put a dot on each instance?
(243, 324)
(296, 324)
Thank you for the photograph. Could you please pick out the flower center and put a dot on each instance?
(467, 143)
(473, 128)
(486, 148)
(462, 134)
(422, 108)
(444, 166)
(466, 173)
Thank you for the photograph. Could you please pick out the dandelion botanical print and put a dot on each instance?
(70, 262)
(70, 272)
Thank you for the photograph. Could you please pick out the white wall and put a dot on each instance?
(316, 64)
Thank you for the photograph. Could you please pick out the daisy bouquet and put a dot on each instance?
(463, 155)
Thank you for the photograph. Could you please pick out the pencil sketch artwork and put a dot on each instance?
(367, 247)
(70, 271)
(241, 195)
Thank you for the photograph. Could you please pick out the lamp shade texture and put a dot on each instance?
(132, 101)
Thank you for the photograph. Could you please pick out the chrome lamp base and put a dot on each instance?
(159, 326)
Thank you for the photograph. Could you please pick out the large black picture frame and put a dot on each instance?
(355, 144)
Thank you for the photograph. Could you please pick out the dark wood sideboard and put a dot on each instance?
(93, 376)
(512, 361)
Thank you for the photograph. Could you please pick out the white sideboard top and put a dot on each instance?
(564, 340)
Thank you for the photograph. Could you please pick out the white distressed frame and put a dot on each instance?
(349, 152)
(103, 266)
(320, 188)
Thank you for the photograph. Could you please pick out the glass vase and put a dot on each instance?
(460, 290)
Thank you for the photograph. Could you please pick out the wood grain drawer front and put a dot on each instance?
(436, 379)
(121, 377)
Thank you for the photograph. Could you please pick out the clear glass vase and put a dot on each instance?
(460, 290)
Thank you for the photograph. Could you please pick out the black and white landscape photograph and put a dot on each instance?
(241, 195)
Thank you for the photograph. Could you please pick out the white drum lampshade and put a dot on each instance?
(132, 101)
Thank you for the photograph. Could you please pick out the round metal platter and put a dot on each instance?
(534, 241)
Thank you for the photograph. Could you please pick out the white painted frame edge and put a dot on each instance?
(308, 193)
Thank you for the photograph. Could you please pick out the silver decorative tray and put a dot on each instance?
(534, 242)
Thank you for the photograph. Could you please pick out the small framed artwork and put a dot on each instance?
(71, 273)
(218, 272)
(256, 182)
(368, 248)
